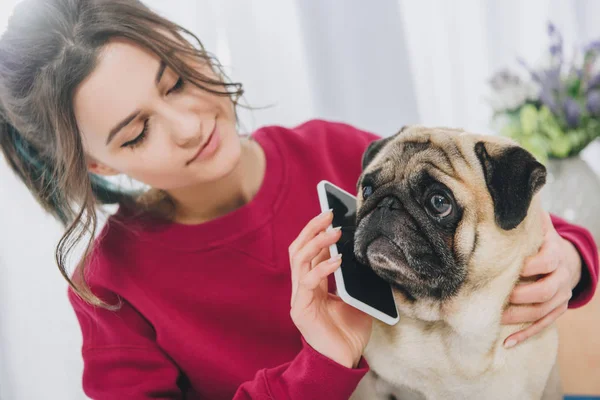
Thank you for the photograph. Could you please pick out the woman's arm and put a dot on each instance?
(585, 260)
(123, 361)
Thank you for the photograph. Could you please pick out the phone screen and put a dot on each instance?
(360, 281)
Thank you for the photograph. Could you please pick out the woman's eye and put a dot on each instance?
(440, 205)
(177, 87)
(367, 191)
(139, 138)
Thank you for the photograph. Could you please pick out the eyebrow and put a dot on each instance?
(113, 132)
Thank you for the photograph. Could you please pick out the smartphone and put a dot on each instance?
(356, 283)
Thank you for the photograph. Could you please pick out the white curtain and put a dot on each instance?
(378, 65)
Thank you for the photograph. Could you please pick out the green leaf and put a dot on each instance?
(560, 147)
(511, 128)
(573, 87)
(548, 123)
(593, 129)
(536, 146)
(529, 119)
(576, 138)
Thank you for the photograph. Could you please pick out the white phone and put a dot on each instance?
(356, 283)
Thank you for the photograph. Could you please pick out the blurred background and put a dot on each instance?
(378, 65)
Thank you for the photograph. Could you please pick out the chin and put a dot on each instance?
(226, 159)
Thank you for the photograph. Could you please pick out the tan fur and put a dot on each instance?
(454, 349)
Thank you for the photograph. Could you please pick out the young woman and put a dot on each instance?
(214, 283)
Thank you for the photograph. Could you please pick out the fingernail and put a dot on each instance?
(327, 213)
(510, 343)
(335, 230)
(335, 258)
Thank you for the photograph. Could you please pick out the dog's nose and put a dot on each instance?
(390, 202)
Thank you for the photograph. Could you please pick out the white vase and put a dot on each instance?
(572, 192)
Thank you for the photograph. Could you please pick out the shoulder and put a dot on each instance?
(101, 272)
(102, 264)
(321, 138)
(320, 149)
(319, 131)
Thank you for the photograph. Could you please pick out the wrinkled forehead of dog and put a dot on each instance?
(511, 174)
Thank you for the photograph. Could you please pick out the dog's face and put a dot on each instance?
(429, 201)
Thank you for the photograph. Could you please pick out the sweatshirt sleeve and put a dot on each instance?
(310, 375)
(588, 250)
(123, 361)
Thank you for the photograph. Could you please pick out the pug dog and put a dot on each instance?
(448, 218)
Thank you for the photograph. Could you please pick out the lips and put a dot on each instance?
(204, 145)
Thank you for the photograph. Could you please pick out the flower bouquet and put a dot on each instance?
(555, 111)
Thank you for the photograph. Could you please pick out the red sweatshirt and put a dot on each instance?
(205, 308)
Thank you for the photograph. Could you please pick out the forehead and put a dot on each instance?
(117, 86)
(448, 151)
(446, 155)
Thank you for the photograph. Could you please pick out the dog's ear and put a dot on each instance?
(375, 147)
(512, 176)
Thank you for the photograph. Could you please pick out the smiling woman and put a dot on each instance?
(172, 123)
(148, 79)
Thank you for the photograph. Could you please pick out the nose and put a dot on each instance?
(185, 126)
(390, 203)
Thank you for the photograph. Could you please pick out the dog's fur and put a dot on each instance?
(452, 276)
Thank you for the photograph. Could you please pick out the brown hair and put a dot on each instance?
(48, 49)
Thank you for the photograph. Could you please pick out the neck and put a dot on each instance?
(210, 200)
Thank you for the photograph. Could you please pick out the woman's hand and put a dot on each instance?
(556, 270)
(330, 326)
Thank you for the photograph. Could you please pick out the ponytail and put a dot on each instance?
(41, 176)
(27, 163)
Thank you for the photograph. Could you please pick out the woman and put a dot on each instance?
(186, 292)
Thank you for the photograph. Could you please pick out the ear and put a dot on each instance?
(98, 168)
(512, 176)
(375, 147)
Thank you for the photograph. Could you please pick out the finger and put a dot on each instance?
(322, 256)
(314, 226)
(541, 263)
(301, 261)
(539, 291)
(312, 280)
(531, 313)
(303, 258)
(546, 222)
(536, 328)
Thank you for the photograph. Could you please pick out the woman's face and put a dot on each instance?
(138, 118)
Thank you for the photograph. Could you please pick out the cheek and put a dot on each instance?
(155, 168)
(162, 165)
(153, 163)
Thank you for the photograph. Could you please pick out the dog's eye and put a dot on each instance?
(367, 191)
(440, 205)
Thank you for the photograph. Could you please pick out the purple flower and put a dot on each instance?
(572, 112)
(593, 46)
(593, 102)
(556, 49)
(551, 78)
(556, 42)
(534, 75)
(547, 98)
(594, 82)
